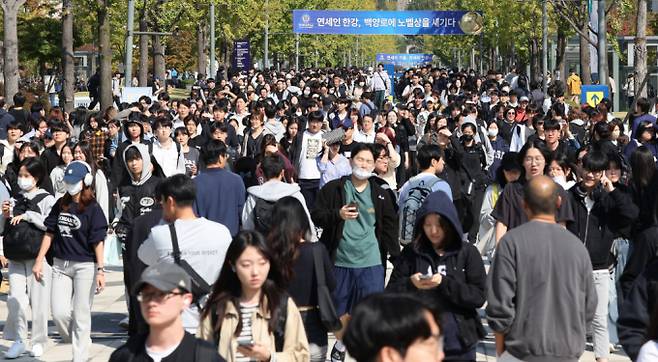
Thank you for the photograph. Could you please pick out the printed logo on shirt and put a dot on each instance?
(313, 148)
(442, 270)
(146, 201)
(67, 222)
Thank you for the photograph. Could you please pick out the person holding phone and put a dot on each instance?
(75, 231)
(447, 272)
(248, 315)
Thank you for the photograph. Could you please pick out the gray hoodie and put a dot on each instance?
(147, 169)
(276, 128)
(272, 190)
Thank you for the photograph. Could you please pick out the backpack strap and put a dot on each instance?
(174, 243)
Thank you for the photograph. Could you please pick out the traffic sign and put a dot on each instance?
(593, 94)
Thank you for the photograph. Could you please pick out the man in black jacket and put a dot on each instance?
(599, 211)
(360, 228)
(163, 293)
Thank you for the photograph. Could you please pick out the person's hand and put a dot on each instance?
(382, 138)
(36, 270)
(257, 351)
(100, 282)
(3, 261)
(419, 283)
(348, 212)
(607, 184)
(5, 208)
(407, 163)
(16, 219)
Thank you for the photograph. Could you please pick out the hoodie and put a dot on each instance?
(462, 289)
(272, 190)
(276, 128)
(147, 169)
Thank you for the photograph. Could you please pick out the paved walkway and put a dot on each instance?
(109, 308)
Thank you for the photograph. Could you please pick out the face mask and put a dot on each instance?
(73, 189)
(307, 92)
(493, 132)
(25, 183)
(360, 173)
(362, 84)
(560, 180)
(298, 113)
(467, 137)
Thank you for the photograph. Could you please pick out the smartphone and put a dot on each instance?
(247, 344)
(353, 205)
(425, 276)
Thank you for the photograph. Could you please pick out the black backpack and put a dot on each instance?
(23, 240)
(263, 215)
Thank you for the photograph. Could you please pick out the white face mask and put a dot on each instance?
(360, 173)
(25, 183)
(73, 189)
(560, 180)
(493, 132)
(307, 92)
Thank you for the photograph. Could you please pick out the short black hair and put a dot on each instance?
(14, 124)
(386, 320)
(359, 147)
(595, 161)
(212, 151)
(272, 166)
(426, 154)
(221, 126)
(181, 130)
(180, 187)
(132, 153)
(551, 125)
(315, 116)
(644, 104)
(35, 168)
(19, 99)
(58, 126)
(270, 111)
(162, 122)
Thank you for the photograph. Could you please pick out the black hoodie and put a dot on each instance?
(462, 289)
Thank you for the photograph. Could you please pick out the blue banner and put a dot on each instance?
(241, 55)
(404, 59)
(416, 22)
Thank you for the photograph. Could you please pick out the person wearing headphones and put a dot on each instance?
(75, 230)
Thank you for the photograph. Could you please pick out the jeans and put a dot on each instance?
(72, 296)
(316, 335)
(354, 284)
(24, 292)
(380, 95)
(600, 323)
(309, 189)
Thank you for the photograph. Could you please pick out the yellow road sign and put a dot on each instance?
(594, 97)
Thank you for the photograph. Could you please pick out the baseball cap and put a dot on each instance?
(524, 99)
(75, 172)
(164, 277)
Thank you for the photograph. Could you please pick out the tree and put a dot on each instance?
(143, 49)
(105, 46)
(68, 63)
(640, 65)
(10, 14)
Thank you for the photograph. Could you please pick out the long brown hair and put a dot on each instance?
(87, 198)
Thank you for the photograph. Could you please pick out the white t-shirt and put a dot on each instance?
(158, 356)
(171, 161)
(311, 148)
(203, 244)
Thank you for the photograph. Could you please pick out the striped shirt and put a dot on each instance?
(247, 313)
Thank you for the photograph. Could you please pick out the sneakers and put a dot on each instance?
(336, 355)
(37, 350)
(16, 350)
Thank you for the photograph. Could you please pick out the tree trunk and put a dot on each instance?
(560, 58)
(68, 60)
(535, 69)
(158, 57)
(143, 72)
(641, 48)
(10, 11)
(202, 60)
(106, 54)
(585, 69)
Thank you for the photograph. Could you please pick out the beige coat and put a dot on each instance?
(295, 346)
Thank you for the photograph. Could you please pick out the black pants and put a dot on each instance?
(309, 189)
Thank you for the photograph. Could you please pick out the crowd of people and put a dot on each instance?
(261, 213)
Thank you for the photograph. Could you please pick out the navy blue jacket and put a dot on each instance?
(462, 289)
(220, 196)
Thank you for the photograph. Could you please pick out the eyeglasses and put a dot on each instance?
(511, 113)
(158, 297)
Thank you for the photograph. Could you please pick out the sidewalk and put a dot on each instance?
(109, 308)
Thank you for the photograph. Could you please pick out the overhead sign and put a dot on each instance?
(593, 94)
(241, 55)
(366, 22)
(132, 94)
(404, 59)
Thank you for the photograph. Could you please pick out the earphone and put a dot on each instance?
(89, 178)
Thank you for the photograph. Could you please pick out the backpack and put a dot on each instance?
(23, 240)
(415, 197)
(263, 215)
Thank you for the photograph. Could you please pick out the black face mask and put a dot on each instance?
(467, 137)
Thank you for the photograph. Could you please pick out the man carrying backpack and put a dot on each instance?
(415, 190)
(261, 199)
